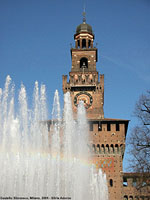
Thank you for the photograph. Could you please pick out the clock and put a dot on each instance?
(85, 97)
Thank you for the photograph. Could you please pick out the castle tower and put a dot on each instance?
(107, 136)
(84, 81)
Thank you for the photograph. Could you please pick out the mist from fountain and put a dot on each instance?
(35, 162)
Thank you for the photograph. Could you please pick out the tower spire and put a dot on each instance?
(84, 15)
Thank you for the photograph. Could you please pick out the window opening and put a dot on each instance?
(89, 43)
(84, 43)
(111, 182)
(84, 63)
(125, 183)
(125, 197)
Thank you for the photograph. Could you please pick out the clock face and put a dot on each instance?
(85, 97)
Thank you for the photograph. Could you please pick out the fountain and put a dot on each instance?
(35, 163)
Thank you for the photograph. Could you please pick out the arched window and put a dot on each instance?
(125, 197)
(84, 63)
(84, 43)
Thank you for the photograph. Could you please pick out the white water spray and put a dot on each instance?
(37, 163)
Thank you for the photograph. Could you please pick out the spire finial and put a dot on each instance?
(84, 15)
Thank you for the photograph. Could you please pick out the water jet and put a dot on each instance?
(35, 162)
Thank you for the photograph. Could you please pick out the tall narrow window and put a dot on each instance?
(125, 183)
(111, 182)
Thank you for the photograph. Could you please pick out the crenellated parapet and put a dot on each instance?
(135, 186)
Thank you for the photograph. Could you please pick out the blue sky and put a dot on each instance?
(35, 39)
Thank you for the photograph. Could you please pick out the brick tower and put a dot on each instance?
(107, 136)
(84, 79)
